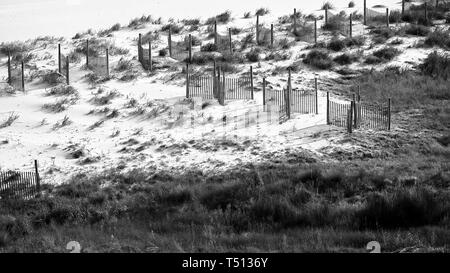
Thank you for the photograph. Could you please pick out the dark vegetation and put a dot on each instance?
(319, 59)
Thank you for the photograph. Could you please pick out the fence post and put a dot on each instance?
(387, 17)
(140, 48)
(328, 108)
(190, 48)
(257, 29)
(264, 93)
(150, 58)
(9, 68)
(187, 81)
(355, 114)
(403, 8)
(271, 35)
(351, 25)
(317, 97)
(38, 182)
(107, 62)
(437, 3)
(315, 31)
(231, 42)
(215, 32)
(219, 86)
(251, 80)
(426, 12)
(87, 53)
(67, 71)
(288, 96)
(389, 114)
(365, 12)
(59, 58)
(350, 118)
(326, 16)
(214, 81)
(222, 93)
(295, 21)
(170, 41)
(23, 77)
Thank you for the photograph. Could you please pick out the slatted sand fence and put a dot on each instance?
(19, 185)
(276, 100)
(304, 97)
(238, 87)
(200, 86)
(373, 116)
(338, 112)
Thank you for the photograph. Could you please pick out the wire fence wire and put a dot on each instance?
(180, 50)
(264, 37)
(223, 43)
(339, 22)
(304, 31)
(16, 76)
(99, 65)
(376, 18)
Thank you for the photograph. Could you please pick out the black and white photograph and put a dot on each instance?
(239, 127)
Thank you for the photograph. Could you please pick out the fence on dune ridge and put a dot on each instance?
(145, 57)
(219, 86)
(20, 185)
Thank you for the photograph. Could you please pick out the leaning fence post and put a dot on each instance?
(9, 68)
(107, 62)
(187, 81)
(59, 58)
(328, 108)
(365, 12)
(170, 41)
(67, 71)
(271, 35)
(190, 48)
(251, 81)
(264, 92)
(389, 114)
(23, 77)
(87, 53)
(38, 182)
(317, 98)
(231, 42)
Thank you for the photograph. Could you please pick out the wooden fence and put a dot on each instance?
(145, 57)
(358, 115)
(218, 86)
(19, 185)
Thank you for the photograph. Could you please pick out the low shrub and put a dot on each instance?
(262, 11)
(438, 38)
(386, 53)
(346, 58)
(319, 59)
(336, 45)
(437, 66)
(209, 47)
(417, 30)
(253, 55)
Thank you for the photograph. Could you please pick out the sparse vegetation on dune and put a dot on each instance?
(9, 120)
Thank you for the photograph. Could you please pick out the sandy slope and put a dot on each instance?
(164, 140)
